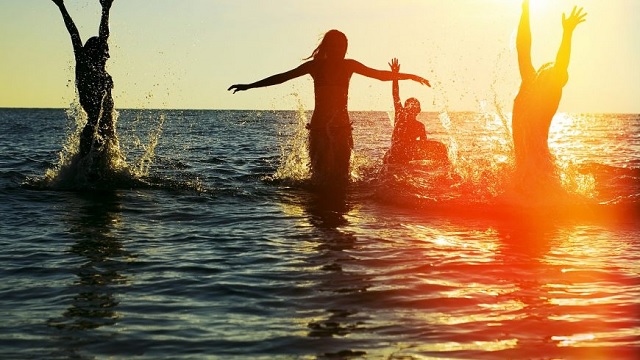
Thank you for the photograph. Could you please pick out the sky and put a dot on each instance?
(184, 54)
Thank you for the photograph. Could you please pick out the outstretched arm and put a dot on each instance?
(104, 23)
(568, 24)
(523, 43)
(386, 75)
(274, 79)
(71, 27)
(395, 87)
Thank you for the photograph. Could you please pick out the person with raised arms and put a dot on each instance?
(409, 139)
(536, 104)
(93, 82)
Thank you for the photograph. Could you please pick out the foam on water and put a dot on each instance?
(105, 168)
(468, 179)
(481, 172)
(144, 162)
(294, 153)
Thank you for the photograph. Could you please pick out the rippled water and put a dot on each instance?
(213, 258)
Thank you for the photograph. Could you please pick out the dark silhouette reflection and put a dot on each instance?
(536, 104)
(330, 138)
(93, 82)
(327, 210)
(339, 290)
(99, 277)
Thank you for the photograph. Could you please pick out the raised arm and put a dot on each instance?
(395, 87)
(523, 44)
(385, 75)
(71, 27)
(274, 79)
(568, 24)
(104, 22)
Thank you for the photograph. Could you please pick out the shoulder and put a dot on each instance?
(306, 65)
(304, 68)
(357, 67)
(352, 64)
(416, 125)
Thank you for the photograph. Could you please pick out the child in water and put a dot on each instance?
(409, 140)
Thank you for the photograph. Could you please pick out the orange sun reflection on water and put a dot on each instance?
(568, 293)
(568, 136)
(588, 295)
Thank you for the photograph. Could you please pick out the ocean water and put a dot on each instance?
(216, 249)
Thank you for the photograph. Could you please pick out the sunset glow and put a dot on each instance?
(174, 55)
(320, 179)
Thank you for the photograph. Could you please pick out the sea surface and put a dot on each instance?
(216, 248)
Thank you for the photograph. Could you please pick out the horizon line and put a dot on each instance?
(281, 110)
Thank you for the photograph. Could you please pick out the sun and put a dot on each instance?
(534, 5)
(539, 5)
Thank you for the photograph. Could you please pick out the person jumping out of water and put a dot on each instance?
(93, 82)
(409, 139)
(330, 139)
(536, 104)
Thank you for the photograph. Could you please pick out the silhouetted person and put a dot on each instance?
(409, 139)
(93, 82)
(536, 104)
(330, 139)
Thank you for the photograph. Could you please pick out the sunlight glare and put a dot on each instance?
(495, 345)
(534, 5)
(572, 340)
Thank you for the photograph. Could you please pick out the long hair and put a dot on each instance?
(333, 45)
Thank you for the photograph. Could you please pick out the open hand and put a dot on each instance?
(576, 17)
(394, 65)
(238, 87)
(422, 80)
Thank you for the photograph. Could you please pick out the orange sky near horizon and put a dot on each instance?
(176, 54)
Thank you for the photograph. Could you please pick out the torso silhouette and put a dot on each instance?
(533, 110)
(93, 83)
(331, 83)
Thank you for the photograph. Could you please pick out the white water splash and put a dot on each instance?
(294, 153)
(104, 168)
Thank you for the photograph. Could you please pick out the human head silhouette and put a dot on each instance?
(333, 46)
(97, 50)
(412, 106)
